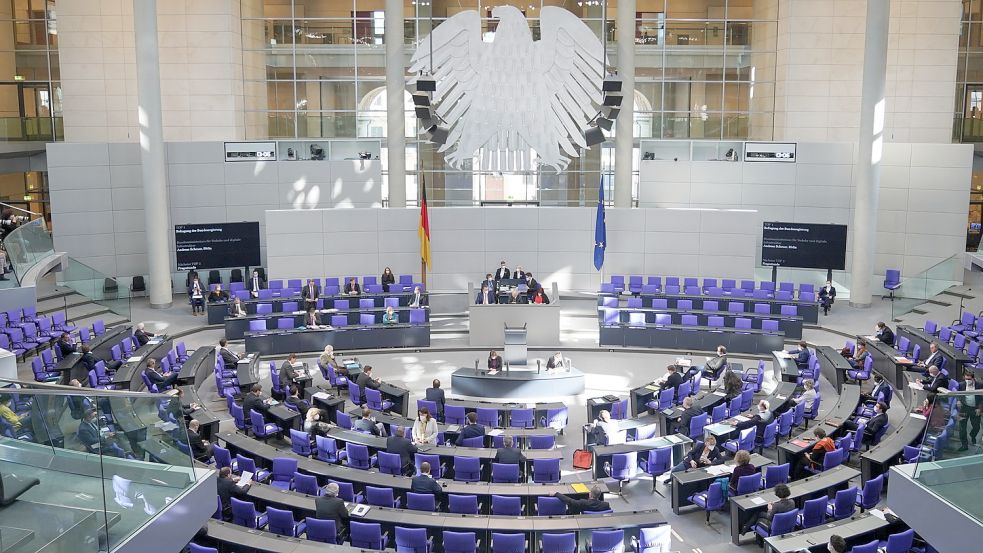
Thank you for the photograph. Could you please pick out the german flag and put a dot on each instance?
(424, 230)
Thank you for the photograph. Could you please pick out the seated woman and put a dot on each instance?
(859, 356)
(424, 428)
(540, 296)
(390, 317)
(742, 467)
(814, 457)
(808, 396)
(494, 362)
(701, 455)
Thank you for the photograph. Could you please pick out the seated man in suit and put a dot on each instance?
(486, 296)
(672, 379)
(255, 401)
(95, 439)
(218, 294)
(87, 362)
(418, 299)
(509, 454)
(230, 358)
(331, 507)
(142, 335)
(297, 402)
(312, 319)
(594, 502)
(162, 380)
(65, 345)
(366, 423)
(884, 334)
(201, 449)
(424, 483)
(236, 308)
(310, 293)
(689, 411)
(876, 423)
(227, 484)
(365, 380)
(714, 367)
(470, 430)
(294, 372)
(760, 419)
(256, 283)
(400, 445)
(352, 288)
(934, 358)
(801, 355)
(436, 395)
(700, 455)
(935, 380)
(515, 297)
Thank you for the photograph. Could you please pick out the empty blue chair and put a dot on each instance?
(898, 543)
(685, 389)
(542, 442)
(412, 540)
(870, 547)
(545, 471)
(282, 522)
(657, 462)
(506, 505)
(505, 473)
(373, 399)
(358, 456)
(195, 548)
(368, 535)
(550, 506)
(436, 468)
(487, 416)
(300, 443)
(781, 523)
(769, 439)
(390, 463)
(664, 401)
(775, 474)
(459, 542)
(710, 500)
(382, 497)
(467, 469)
(565, 542)
(323, 531)
(244, 514)
(421, 502)
(696, 425)
(454, 414)
(283, 472)
(477, 441)
(462, 504)
(843, 505)
(748, 484)
(892, 281)
(813, 513)
(622, 468)
(366, 319)
(719, 413)
(262, 429)
(607, 541)
(522, 418)
(508, 543)
(257, 325)
(326, 449)
(307, 484)
(871, 493)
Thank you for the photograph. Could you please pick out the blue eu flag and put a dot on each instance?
(600, 229)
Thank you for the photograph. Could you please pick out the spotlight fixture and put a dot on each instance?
(610, 112)
(605, 123)
(426, 83)
(438, 134)
(613, 99)
(421, 99)
(612, 83)
(594, 136)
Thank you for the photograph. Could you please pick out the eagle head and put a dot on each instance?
(506, 12)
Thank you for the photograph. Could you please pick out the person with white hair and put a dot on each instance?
(327, 359)
(142, 335)
(331, 507)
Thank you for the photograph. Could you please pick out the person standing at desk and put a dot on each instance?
(436, 395)
(218, 294)
(701, 455)
(801, 355)
(508, 454)
(256, 283)
(884, 334)
(228, 356)
(197, 296)
(531, 282)
(237, 309)
(935, 380)
(65, 345)
(503, 272)
(387, 279)
(970, 409)
(424, 427)
(594, 502)
(331, 507)
(293, 372)
(827, 296)
(485, 296)
(494, 362)
(417, 299)
(390, 317)
(519, 274)
(555, 362)
(470, 430)
(398, 444)
(310, 293)
(352, 288)
(142, 335)
(312, 319)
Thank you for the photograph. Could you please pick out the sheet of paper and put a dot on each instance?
(877, 513)
(741, 418)
(496, 432)
(134, 359)
(758, 500)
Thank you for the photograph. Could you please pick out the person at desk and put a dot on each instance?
(310, 293)
(398, 444)
(715, 366)
(515, 298)
(424, 427)
(594, 502)
(201, 449)
(424, 483)
(701, 455)
(196, 294)
(859, 356)
(228, 487)
(519, 274)
(494, 362)
(935, 380)
(836, 544)
(300, 404)
(485, 296)
(313, 424)
(808, 396)
(327, 359)
(689, 411)
(312, 319)
(471, 430)
(934, 358)
(230, 358)
(783, 505)
(218, 294)
(509, 454)
(390, 318)
(88, 360)
(8, 414)
(874, 425)
(256, 283)
(254, 401)
(366, 381)
(142, 335)
(759, 420)
(417, 299)
(161, 380)
(742, 467)
(733, 385)
(555, 362)
(387, 279)
(236, 308)
(352, 288)
(532, 283)
(605, 430)
(65, 345)
(884, 334)
(490, 282)
(827, 296)
(970, 409)
(96, 440)
(436, 395)
(293, 371)
(503, 272)
(331, 507)
(814, 456)
(801, 355)
(672, 379)
(367, 424)
(540, 297)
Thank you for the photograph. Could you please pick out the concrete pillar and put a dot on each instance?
(870, 146)
(625, 127)
(395, 117)
(155, 204)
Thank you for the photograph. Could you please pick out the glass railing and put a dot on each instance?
(28, 244)
(916, 289)
(31, 129)
(89, 468)
(948, 463)
(99, 288)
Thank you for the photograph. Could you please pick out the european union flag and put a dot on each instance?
(600, 229)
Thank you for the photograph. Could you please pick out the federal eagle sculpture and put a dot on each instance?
(501, 98)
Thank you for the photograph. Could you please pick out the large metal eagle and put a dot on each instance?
(513, 94)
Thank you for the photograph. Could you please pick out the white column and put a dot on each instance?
(625, 127)
(870, 145)
(155, 204)
(395, 116)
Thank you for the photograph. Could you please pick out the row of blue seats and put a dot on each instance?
(22, 331)
(417, 316)
(636, 283)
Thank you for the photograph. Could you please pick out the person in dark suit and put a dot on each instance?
(801, 355)
(201, 449)
(503, 272)
(424, 483)
(934, 358)
(881, 390)
(292, 372)
(156, 377)
(352, 287)
(519, 274)
(95, 440)
(256, 283)
(486, 296)
(436, 395)
(594, 502)
(366, 381)
(760, 419)
(532, 283)
(312, 319)
(418, 299)
(689, 411)
(494, 362)
(827, 296)
(490, 282)
(701, 455)
(196, 294)
(387, 279)
(65, 345)
(366, 423)
(884, 334)
(783, 505)
(218, 294)
(715, 366)
(470, 430)
(230, 358)
(876, 423)
(310, 293)
(509, 454)
(672, 379)
(400, 445)
(228, 488)
(142, 335)
(254, 401)
(515, 297)
(85, 364)
(298, 402)
(331, 507)
(970, 409)
(236, 308)
(935, 380)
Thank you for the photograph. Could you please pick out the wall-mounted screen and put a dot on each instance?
(804, 245)
(217, 245)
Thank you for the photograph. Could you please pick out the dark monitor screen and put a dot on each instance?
(804, 245)
(217, 245)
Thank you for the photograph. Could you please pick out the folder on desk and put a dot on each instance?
(358, 510)
(653, 388)
(134, 359)
(453, 428)
(800, 442)
(580, 488)
(903, 360)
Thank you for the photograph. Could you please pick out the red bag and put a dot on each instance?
(583, 459)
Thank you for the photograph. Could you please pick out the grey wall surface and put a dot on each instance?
(556, 244)
(97, 199)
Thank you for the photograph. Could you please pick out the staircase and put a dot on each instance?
(80, 310)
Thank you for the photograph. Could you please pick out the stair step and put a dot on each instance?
(57, 292)
(49, 306)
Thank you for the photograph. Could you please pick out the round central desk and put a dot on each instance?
(517, 383)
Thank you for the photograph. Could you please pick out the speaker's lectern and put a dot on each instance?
(515, 346)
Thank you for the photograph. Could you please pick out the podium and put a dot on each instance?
(515, 346)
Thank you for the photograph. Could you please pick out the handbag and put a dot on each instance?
(583, 459)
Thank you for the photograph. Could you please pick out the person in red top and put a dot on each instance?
(814, 457)
(540, 296)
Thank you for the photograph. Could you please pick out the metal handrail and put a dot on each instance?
(19, 209)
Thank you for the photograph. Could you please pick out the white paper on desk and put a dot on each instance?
(918, 416)
(245, 479)
(877, 513)
(673, 438)
(871, 338)
(916, 385)
(495, 432)
(155, 341)
(741, 418)
(322, 395)
(719, 394)
(758, 500)
(683, 362)
(718, 470)
(166, 426)
(134, 359)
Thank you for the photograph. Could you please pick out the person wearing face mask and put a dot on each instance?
(761, 419)
(970, 410)
(196, 293)
(827, 295)
(424, 428)
(884, 333)
(503, 272)
(256, 283)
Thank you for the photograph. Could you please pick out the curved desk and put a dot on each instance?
(686, 483)
(860, 525)
(791, 450)
(198, 368)
(808, 310)
(517, 383)
(101, 346)
(604, 453)
(540, 409)
(691, 338)
(282, 342)
(909, 430)
(127, 377)
(238, 327)
(248, 539)
(955, 359)
(519, 433)
(790, 325)
(218, 310)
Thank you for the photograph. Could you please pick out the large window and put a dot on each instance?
(30, 91)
